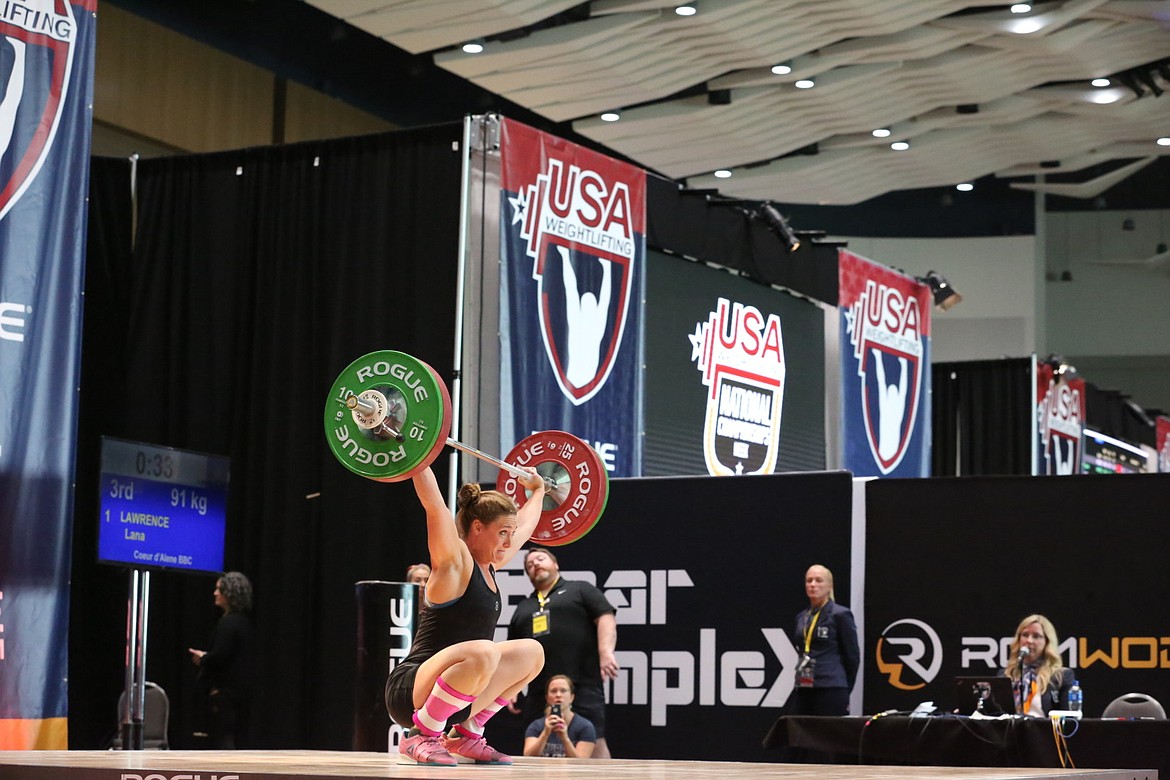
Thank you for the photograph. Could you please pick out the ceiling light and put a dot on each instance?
(686, 10)
(1100, 82)
(900, 146)
(473, 47)
(945, 296)
(804, 84)
(965, 186)
(881, 132)
(722, 173)
(610, 116)
(782, 69)
(1164, 141)
(1021, 8)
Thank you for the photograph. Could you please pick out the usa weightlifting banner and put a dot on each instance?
(46, 83)
(572, 247)
(1060, 422)
(885, 370)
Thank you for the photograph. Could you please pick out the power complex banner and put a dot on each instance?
(46, 84)
(573, 253)
(697, 647)
(1060, 422)
(885, 370)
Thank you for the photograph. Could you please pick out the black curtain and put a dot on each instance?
(982, 412)
(1112, 412)
(256, 277)
(686, 223)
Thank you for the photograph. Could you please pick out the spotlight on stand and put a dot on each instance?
(1062, 370)
(778, 225)
(945, 296)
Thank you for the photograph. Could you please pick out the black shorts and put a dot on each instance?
(400, 697)
(590, 703)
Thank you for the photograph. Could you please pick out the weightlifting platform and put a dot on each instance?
(307, 764)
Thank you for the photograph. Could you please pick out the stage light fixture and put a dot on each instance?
(945, 296)
(778, 225)
(1062, 370)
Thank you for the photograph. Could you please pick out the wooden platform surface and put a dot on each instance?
(302, 764)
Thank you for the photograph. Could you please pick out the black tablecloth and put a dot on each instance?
(961, 741)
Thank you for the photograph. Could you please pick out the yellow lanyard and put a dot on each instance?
(808, 630)
(541, 599)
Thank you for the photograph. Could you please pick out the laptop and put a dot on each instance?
(995, 694)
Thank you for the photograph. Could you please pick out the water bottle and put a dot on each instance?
(1075, 697)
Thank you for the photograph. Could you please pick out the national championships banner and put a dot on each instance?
(46, 86)
(573, 253)
(885, 370)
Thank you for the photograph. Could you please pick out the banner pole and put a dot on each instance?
(460, 286)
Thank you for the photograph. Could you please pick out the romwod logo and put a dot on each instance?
(741, 355)
(579, 230)
(1061, 420)
(885, 329)
(909, 653)
(36, 57)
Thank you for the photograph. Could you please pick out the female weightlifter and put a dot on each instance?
(453, 665)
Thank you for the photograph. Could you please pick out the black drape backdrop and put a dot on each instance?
(981, 414)
(256, 277)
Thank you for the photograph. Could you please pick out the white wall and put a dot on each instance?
(995, 276)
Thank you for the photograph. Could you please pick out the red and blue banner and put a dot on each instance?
(573, 249)
(1162, 442)
(46, 90)
(885, 370)
(1060, 422)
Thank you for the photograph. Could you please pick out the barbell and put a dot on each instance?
(388, 417)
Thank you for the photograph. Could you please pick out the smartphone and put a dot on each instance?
(555, 710)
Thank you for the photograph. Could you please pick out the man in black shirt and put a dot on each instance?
(575, 623)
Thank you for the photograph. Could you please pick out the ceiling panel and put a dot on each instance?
(972, 87)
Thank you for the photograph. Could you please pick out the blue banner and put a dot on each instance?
(573, 251)
(46, 90)
(885, 370)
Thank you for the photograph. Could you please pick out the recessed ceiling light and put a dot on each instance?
(722, 173)
(1021, 8)
(881, 132)
(472, 47)
(686, 10)
(805, 84)
(965, 186)
(900, 146)
(782, 69)
(1165, 141)
(1100, 82)
(610, 116)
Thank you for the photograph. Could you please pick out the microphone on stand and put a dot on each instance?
(1021, 654)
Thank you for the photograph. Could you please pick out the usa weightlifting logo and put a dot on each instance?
(741, 355)
(36, 57)
(885, 330)
(1061, 419)
(577, 226)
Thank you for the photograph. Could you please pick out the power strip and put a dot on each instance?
(1059, 714)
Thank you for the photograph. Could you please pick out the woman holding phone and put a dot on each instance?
(561, 733)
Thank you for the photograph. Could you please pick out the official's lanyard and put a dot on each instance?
(1026, 704)
(543, 598)
(808, 630)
